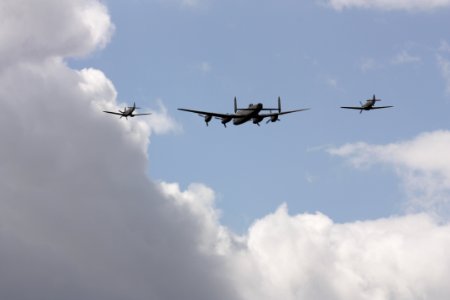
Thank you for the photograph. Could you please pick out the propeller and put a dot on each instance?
(374, 98)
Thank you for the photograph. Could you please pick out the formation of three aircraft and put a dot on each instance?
(252, 112)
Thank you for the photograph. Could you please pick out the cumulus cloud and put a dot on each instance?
(80, 219)
(408, 5)
(35, 30)
(307, 256)
(422, 163)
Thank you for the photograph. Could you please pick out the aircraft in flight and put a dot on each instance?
(127, 112)
(369, 105)
(243, 115)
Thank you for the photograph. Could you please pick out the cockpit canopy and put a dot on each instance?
(251, 105)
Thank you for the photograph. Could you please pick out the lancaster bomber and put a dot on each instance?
(127, 112)
(369, 105)
(243, 115)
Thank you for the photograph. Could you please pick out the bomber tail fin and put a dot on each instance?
(235, 105)
(279, 104)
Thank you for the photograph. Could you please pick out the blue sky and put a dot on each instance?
(202, 55)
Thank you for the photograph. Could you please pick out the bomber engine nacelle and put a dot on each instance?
(225, 120)
(273, 118)
(207, 119)
(256, 120)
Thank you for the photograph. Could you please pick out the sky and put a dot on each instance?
(326, 204)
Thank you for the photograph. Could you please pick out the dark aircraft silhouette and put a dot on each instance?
(127, 112)
(243, 115)
(369, 105)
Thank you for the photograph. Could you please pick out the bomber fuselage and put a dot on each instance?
(246, 115)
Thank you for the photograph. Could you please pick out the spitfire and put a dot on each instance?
(369, 105)
(127, 112)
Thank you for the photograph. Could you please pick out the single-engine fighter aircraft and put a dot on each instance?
(127, 112)
(369, 105)
(242, 115)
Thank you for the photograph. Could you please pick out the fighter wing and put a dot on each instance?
(352, 107)
(207, 113)
(378, 107)
(143, 114)
(282, 113)
(114, 113)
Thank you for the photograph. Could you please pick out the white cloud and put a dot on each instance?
(422, 163)
(79, 218)
(308, 256)
(36, 30)
(407, 5)
(404, 57)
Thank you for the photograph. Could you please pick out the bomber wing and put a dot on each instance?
(282, 113)
(207, 113)
(143, 114)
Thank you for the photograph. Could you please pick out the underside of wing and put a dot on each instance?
(207, 113)
(282, 113)
(112, 112)
(352, 107)
(379, 107)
